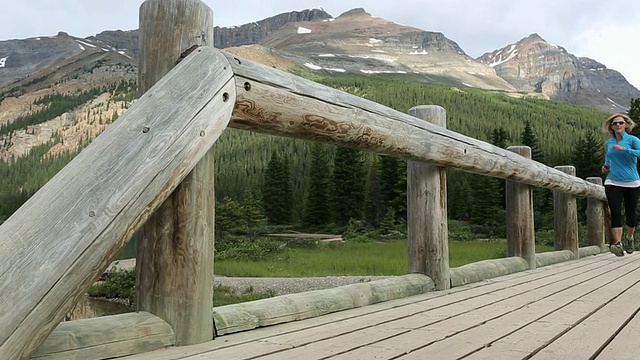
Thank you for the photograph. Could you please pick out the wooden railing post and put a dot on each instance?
(175, 249)
(595, 218)
(565, 217)
(427, 211)
(519, 208)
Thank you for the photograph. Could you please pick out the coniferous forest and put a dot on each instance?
(313, 186)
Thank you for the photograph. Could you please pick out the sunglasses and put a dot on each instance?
(618, 123)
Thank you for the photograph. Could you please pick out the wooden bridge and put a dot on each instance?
(574, 310)
(151, 172)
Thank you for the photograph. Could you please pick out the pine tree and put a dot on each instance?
(393, 185)
(529, 138)
(459, 195)
(389, 174)
(374, 209)
(277, 193)
(499, 138)
(252, 214)
(542, 198)
(587, 156)
(634, 111)
(228, 215)
(348, 185)
(317, 207)
(486, 208)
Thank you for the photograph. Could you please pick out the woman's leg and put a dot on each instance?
(614, 199)
(630, 207)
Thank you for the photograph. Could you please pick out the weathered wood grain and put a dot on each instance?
(589, 251)
(427, 210)
(284, 308)
(54, 247)
(554, 257)
(521, 239)
(418, 329)
(568, 306)
(487, 269)
(565, 217)
(106, 337)
(595, 218)
(175, 247)
(273, 339)
(275, 102)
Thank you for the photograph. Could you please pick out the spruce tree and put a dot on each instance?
(374, 208)
(634, 111)
(228, 217)
(317, 207)
(542, 198)
(277, 193)
(400, 201)
(588, 156)
(252, 214)
(459, 195)
(348, 185)
(499, 138)
(486, 210)
(393, 185)
(389, 175)
(529, 138)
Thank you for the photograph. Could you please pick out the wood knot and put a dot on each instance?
(186, 53)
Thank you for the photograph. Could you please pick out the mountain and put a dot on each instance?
(60, 86)
(101, 70)
(356, 42)
(534, 65)
(252, 33)
(29, 57)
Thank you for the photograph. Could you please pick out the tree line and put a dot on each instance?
(267, 180)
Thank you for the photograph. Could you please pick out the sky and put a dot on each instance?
(606, 31)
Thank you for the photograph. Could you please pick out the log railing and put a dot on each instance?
(151, 171)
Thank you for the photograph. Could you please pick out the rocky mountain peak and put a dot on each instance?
(354, 12)
(534, 65)
(252, 33)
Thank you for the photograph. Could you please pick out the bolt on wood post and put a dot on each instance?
(595, 218)
(175, 247)
(427, 211)
(565, 217)
(519, 208)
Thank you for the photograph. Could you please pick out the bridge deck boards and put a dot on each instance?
(575, 310)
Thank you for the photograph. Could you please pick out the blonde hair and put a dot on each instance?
(607, 123)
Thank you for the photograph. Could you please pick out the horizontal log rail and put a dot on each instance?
(106, 337)
(274, 102)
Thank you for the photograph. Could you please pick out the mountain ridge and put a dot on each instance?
(354, 42)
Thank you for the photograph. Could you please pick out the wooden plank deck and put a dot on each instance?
(584, 309)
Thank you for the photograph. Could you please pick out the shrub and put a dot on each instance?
(244, 248)
(117, 284)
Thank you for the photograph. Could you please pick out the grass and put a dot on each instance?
(224, 295)
(356, 259)
(325, 259)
